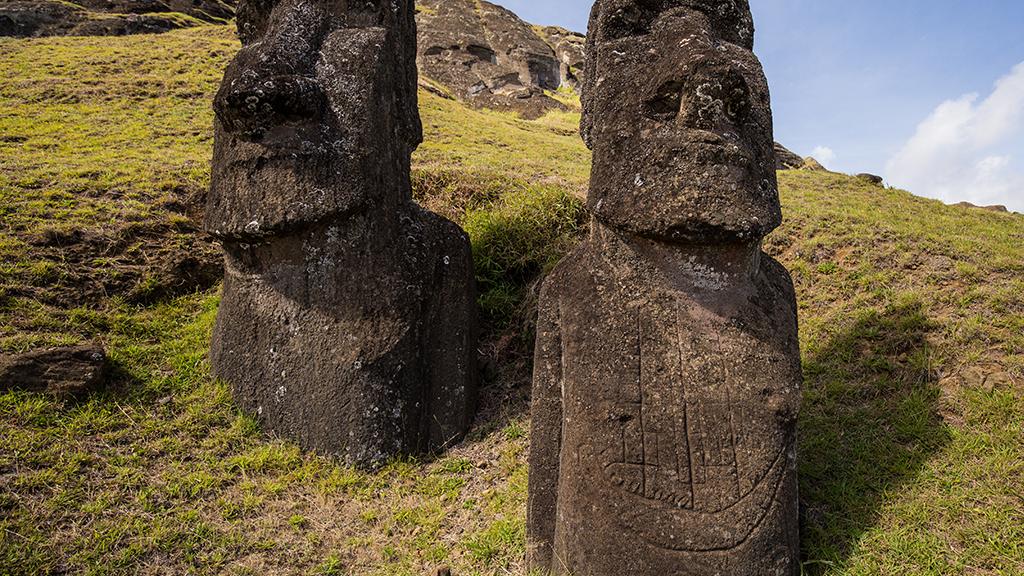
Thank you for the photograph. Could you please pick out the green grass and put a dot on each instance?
(912, 330)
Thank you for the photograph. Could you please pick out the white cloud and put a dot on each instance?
(965, 149)
(823, 154)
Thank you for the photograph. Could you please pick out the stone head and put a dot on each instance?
(316, 116)
(677, 112)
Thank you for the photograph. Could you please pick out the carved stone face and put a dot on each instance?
(677, 112)
(308, 125)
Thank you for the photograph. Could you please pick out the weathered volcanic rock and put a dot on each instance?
(61, 372)
(667, 367)
(996, 208)
(34, 18)
(812, 165)
(214, 11)
(38, 18)
(348, 319)
(785, 159)
(871, 179)
(488, 56)
(570, 50)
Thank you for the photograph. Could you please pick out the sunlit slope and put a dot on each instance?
(912, 315)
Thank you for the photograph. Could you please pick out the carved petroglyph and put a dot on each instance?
(675, 433)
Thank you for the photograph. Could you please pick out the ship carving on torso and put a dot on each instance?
(680, 433)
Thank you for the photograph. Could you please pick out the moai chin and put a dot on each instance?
(667, 368)
(347, 322)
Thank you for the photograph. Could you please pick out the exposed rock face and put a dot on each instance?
(667, 369)
(489, 57)
(32, 18)
(570, 50)
(348, 316)
(61, 372)
(812, 165)
(785, 159)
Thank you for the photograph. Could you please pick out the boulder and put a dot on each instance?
(61, 372)
(871, 179)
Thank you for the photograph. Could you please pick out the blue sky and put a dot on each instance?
(902, 88)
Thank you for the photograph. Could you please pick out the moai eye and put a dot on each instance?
(665, 104)
(735, 97)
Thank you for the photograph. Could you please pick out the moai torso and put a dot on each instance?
(347, 321)
(667, 372)
(676, 399)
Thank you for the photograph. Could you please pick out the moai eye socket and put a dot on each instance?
(666, 101)
(736, 96)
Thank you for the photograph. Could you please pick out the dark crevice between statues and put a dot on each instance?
(667, 368)
(348, 319)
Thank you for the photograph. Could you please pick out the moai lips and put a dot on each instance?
(667, 368)
(347, 322)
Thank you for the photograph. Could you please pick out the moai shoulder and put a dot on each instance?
(347, 322)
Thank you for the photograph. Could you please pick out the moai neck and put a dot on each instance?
(712, 267)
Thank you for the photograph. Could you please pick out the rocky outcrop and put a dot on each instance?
(35, 18)
(570, 50)
(995, 208)
(786, 159)
(487, 56)
(812, 165)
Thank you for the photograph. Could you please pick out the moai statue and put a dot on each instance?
(347, 322)
(667, 375)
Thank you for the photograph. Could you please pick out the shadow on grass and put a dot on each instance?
(869, 423)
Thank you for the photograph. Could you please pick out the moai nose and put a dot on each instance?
(254, 103)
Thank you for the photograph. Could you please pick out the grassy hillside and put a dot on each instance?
(912, 318)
